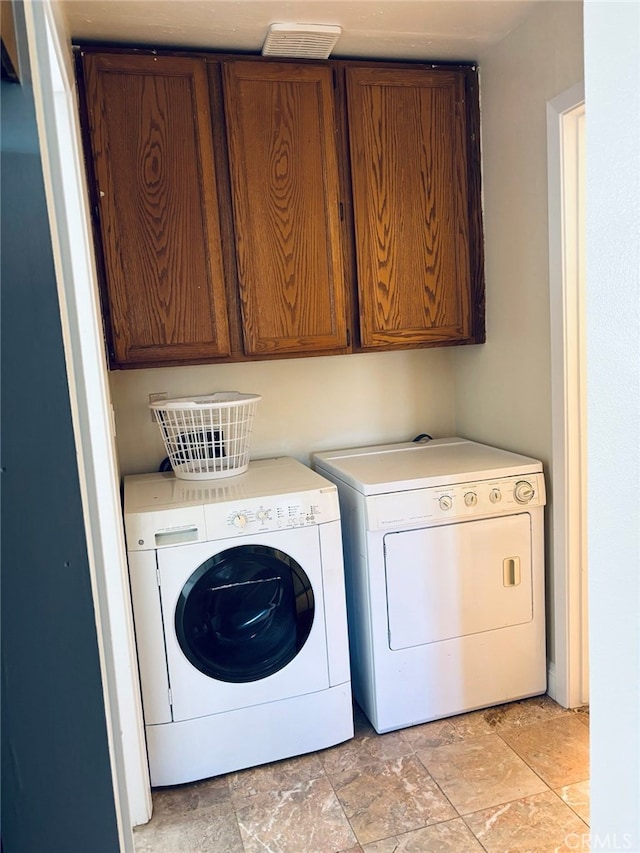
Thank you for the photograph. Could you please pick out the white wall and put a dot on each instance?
(308, 404)
(612, 85)
(503, 388)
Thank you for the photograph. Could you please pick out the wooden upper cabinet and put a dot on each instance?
(150, 133)
(408, 142)
(281, 134)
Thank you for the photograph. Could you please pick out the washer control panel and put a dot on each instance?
(226, 519)
(457, 502)
(263, 515)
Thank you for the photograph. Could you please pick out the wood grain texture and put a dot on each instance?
(409, 175)
(284, 176)
(153, 161)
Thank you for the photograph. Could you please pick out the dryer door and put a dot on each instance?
(244, 621)
(458, 579)
(245, 613)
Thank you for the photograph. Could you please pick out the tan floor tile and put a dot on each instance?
(431, 734)
(578, 797)
(558, 749)
(364, 749)
(453, 836)
(389, 798)
(473, 724)
(525, 712)
(278, 776)
(306, 818)
(537, 824)
(448, 730)
(475, 774)
(214, 830)
(582, 714)
(185, 798)
(290, 806)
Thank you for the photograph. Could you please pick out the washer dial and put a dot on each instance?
(446, 502)
(495, 496)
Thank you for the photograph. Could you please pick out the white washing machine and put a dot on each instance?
(240, 618)
(444, 562)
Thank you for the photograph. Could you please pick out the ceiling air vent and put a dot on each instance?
(307, 41)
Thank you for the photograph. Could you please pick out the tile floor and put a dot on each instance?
(509, 779)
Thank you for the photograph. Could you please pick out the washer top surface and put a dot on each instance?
(411, 465)
(264, 478)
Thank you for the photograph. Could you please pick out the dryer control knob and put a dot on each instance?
(495, 496)
(445, 502)
(470, 499)
(240, 520)
(523, 492)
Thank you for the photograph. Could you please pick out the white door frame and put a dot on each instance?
(568, 672)
(91, 410)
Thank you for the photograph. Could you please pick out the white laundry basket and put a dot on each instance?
(207, 437)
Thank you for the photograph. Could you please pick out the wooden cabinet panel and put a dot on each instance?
(150, 134)
(250, 208)
(281, 132)
(411, 206)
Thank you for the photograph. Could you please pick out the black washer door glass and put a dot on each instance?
(245, 613)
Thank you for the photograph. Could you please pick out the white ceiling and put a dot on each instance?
(403, 29)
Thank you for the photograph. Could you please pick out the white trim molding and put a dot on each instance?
(568, 672)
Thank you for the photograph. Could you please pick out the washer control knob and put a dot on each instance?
(495, 496)
(263, 514)
(446, 502)
(523, 492)
(470, 499)
(240, 520)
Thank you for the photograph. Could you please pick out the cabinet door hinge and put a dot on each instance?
(341, 210)
(170, 698)
(348, 337)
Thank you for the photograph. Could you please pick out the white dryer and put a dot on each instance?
(239, 611)
(444, 562)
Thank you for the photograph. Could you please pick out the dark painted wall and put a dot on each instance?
(57, 794)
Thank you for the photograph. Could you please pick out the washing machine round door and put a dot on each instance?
(244, 613)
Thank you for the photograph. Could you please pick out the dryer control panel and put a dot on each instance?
(441, 504)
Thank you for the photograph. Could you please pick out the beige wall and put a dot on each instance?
(308, 404)
(503, 388)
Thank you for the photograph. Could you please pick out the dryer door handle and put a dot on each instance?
(511, 571)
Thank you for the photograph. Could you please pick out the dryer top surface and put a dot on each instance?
(410, 465)
(264, 478)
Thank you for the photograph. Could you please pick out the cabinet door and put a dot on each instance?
(281, 132)
(151, 141)
(409, 175)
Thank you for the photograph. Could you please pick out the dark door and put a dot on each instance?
(57, 789)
